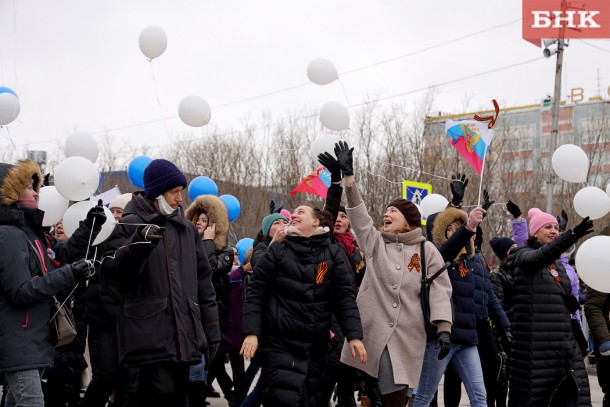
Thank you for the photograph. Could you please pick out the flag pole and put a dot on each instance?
(492, 122)
(482, 172)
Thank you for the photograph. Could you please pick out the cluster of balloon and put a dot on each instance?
(194, 111)
(9, 106)
(203, 185)
(76, 179)
(242, 247)
(153, 42)
(571, 164)
(323, 143)
(135, 170)
(432, 204)
(333, 115)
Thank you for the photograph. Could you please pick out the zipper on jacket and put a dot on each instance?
(27, 318)
(571, 373)
(171, 297)
(40, 252)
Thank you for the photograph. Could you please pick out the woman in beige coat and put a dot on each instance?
(389, 297)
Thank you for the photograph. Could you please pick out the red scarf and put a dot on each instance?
(347, 240)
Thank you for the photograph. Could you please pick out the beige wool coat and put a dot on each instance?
(389, 296)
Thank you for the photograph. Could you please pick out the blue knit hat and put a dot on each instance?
(160, 176)
(268, 221)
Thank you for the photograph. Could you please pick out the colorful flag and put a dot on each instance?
(316, 183)
(471, 138)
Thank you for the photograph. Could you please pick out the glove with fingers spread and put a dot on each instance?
(563, 221)
(272, 206)
(458, 188)
(583, 228)
(513, 209)
(331, 164)
(486, 202)
(151, 233)
(81, 270)
(444, 343)
(96, 216)
(345, 158)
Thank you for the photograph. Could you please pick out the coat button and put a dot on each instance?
(391, 324)
(399, 248)
(398, 267)
(394, 287)
(394, 305)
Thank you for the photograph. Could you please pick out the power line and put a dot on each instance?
(595, 46)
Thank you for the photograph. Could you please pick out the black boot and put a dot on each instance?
(196, 394)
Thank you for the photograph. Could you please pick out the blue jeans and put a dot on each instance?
(255, 398)
(197, 372)
(25, 389)
(251, 372)
(465, 360)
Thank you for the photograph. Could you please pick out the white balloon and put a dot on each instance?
(53, 204)
(9, 108)
(78, 212)
(321, 71)
(194, 111)
(323, 143)
(76, 178)
(593, 263)
(570, 163)
(153, 41)
(334, 116)
(592, 202)
(82, 145)
(432, 204)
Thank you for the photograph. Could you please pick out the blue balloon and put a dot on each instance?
(135, 170)
(7, 90)
(242, 247)
(202, 186)
(233, 206)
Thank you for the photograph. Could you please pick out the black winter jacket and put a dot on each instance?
(295, 287)
(168, 312)
(26, 291)
(543, 347)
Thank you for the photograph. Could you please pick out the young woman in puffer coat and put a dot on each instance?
(389, 297)
(296, 286)
(544, 349)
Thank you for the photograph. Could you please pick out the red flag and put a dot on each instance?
(315, 183)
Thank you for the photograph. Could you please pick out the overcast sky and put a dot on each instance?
(76, 65)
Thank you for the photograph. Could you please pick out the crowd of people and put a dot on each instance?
(327, 308)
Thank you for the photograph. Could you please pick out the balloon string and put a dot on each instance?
(152, 70)
(122, 247)
(232, 232)
(344, 90)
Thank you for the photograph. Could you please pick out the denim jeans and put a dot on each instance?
(255, 397)
(465, 360)
(25, 388)
(197, 372)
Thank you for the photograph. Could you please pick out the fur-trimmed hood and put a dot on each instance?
(14, 178)
(217, 213)
(442, 222)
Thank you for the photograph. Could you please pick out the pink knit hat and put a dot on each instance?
(538, 219)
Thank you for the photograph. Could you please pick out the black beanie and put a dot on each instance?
(408, 210)
(160, 176)
(501, 246)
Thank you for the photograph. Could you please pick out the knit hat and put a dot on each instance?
(501, 246)
(268, 221)
(160, 176)
(120, 201)
(538, 219)
(408, 210)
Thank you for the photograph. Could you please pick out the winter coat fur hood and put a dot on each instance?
(217, 213)
(442, 222)
(15, 178)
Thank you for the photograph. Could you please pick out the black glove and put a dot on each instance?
(508, 336)
(513, 209)
(583, 228)
(458, 187)
(345, 158)
(331, 165)
(563, 221)
(151, 233)
(506, 340)
(272, 206)
(210, 352)
(82, 270)
(443, 342)
(486, 202)
(96, 216)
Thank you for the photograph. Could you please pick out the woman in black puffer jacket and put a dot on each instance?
(295, 287)
(543, 349)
